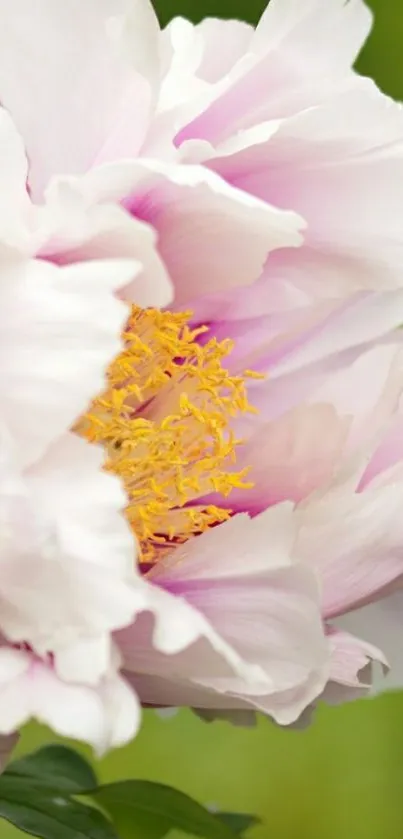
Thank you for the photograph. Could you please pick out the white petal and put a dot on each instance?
(327, 34)
(299, 52)
(73, 86)
(224, 41)
(72, 229)
(84, 661)
(103, 716)
(68, 573)
(85, 504)
(123, 709)
(14, 199)
(60, 329)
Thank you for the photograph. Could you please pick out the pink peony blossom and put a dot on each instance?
(230, 171)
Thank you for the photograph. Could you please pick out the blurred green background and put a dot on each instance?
(343, 777)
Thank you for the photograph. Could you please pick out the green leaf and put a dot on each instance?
(148, 810)
(44, 811)
(145, 826)
(57, 765)
(238, 822)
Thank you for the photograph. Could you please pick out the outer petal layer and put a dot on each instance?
(105, 716)
(67, 562)
(60, 329)
(239, 578)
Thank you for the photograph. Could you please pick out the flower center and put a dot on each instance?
(165, 421)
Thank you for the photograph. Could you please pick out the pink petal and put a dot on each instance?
(263, 608)
(199, 220)
(356, 322)
(300, 450)
(290, 457)
(388, 454)
(353, 541)
(338, 149)
(363, 385)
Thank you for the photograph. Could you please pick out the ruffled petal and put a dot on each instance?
(61, 328)
(351, 668)
(264, 610)
(299, 51)
(68, 560)
(381, 623)
(199, 219)
(104, 716)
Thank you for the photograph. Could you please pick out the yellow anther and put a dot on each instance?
(165, 424)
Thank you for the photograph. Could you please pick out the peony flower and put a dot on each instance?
(243, 397)
(223, 581)
(70, 575)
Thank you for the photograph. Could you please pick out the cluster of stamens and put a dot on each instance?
(165, 422)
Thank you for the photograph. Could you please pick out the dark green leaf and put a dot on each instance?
(46, 812)
(59, 766)
(156, 807)
(238, 822)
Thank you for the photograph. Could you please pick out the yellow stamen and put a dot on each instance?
(165, 423)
